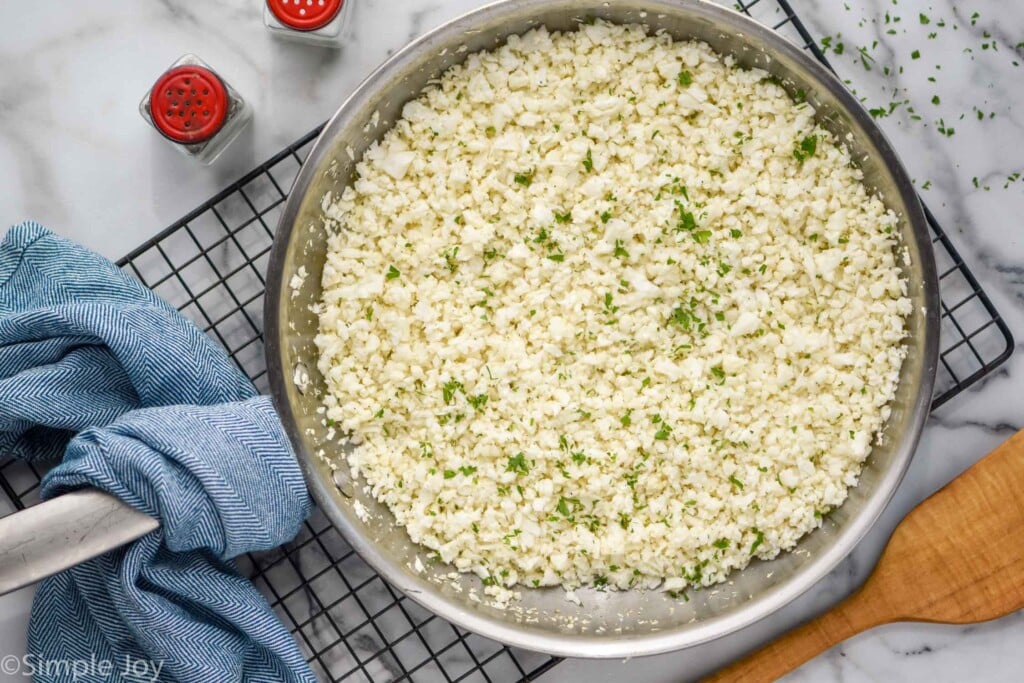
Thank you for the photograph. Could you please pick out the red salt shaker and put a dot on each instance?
(319, 22)
(195, 109)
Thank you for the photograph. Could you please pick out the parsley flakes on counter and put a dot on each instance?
(962, 36)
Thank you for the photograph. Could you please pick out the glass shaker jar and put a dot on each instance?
(319, 22)
(195, 109)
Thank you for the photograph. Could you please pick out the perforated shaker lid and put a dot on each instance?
(305, 15)
(189, 104)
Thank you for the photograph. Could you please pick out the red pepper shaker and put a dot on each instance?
(319, 22)
(195, 109)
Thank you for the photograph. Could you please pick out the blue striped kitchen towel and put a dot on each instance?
(97, 370)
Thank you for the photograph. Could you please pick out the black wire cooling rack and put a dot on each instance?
(352, 625)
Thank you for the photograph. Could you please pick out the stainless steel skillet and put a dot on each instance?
(608, 624)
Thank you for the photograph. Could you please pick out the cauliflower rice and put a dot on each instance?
(603, 308)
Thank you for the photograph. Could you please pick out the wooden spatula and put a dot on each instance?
(957, 558)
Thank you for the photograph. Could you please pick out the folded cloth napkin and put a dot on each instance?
(96, 369)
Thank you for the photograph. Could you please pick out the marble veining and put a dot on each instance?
(75, 155)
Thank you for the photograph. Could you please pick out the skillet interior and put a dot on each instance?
(608, 624)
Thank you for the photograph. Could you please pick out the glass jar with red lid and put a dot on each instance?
(195, 109)
(319, 22)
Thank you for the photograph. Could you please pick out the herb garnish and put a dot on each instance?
(525, 178)
(757, 541)
(806, 149)
(449, 389)
(517, 463)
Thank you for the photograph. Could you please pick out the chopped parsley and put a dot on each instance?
(757, 541)
(686, 221)
(393, 273)
(806, 149)
(719, 373)
(685, 77)
(525, 178)
(449, 389)
(588, 161)
(663, 432)
(567, 507)
(450, 259)
(681, 317)
(701, 236)
(517, 463)
(608, 306)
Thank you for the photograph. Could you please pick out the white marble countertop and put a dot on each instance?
(75, 155)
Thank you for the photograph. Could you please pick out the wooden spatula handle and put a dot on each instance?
(957, 558)
(801, 644)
